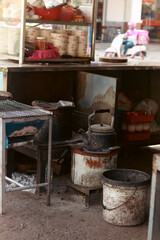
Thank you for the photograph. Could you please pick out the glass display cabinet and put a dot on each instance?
(38, 31)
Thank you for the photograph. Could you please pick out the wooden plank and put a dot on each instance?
(2, 166)
(62, 60)
(49, 161)
(58, 22)
(83, 189)
(32, 153)
(154, 215)
(44, 67)
(156, 218)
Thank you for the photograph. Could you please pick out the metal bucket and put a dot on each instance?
(87, 168)
(62, 120)
(125, 196)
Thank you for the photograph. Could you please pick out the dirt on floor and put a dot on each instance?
(28, 218)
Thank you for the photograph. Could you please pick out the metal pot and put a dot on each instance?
(62, 120)
(99, 136)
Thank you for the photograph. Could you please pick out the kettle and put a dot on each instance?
(99, 136)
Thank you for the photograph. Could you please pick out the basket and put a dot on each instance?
(138, 119)
(66, 15)
(52, 14)
(137, 136)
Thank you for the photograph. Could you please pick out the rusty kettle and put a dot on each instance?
(99, 136)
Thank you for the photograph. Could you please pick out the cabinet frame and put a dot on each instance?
(22, 59)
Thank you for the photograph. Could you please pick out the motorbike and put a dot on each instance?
(139, 50)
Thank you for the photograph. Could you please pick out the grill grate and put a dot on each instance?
(13, 109)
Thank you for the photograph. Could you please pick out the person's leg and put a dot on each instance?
(128, 44)
(125, 41)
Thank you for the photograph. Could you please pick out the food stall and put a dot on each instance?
(70, 73)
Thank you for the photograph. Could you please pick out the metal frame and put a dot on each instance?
(154, 214)
(3, 158)
(87, 191)
(23, 24)
(22, 33)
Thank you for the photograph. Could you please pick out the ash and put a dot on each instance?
(24, 180)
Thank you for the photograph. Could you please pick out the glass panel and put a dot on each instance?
(70, 40)
(82, 2)
(10, 16)
(151, 18)
(10, 10)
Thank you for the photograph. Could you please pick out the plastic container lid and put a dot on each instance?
(41, 38)
(102, 128)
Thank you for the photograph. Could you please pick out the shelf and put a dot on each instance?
(155, 139)
(38, 21)
(65, 60)
(7, 56)
(21, 22)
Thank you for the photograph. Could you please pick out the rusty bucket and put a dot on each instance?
(125, 196)
(87, 167)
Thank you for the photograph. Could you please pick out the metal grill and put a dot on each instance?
(12, 109)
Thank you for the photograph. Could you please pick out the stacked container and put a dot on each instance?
(136, 125)
(32, 33)
(13, 41)
(72, 46)
(3, 40)
(82, 44)
(60, 41)
(46, 33)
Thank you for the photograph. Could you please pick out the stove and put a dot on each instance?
(19, 123)
(24, 130)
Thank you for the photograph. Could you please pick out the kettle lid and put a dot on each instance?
(101, 128)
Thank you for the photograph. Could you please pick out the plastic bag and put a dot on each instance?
(147, 105)
(151, 107)
(154, 127)
(124, 102)
(52, 3)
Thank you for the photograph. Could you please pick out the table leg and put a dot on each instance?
(38, 178)
(49, 160)
(2, 166)
(40, 170)
(10, 162)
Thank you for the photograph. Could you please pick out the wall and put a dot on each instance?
(47, 86)
(115, 10)
(123, 10)
(136, 10)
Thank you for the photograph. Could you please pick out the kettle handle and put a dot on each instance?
(91, 117)
(101, 111)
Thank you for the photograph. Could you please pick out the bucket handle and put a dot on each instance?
(110, 209)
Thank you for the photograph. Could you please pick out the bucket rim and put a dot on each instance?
(82, 152)
(125, 183)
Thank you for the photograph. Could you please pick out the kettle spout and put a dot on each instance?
(84, 136)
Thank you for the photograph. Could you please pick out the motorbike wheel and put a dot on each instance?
(110, 54)
(139, 55)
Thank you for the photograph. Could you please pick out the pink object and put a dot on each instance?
(132, 23)
(131, 32)
(52, 52)
(142, 37)
(48, 14)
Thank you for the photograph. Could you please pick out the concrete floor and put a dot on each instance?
(28, 217)
(153, 51)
